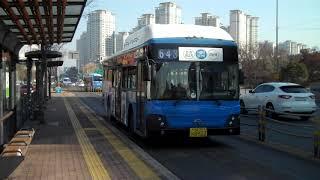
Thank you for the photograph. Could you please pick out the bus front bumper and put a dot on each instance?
(186, 131)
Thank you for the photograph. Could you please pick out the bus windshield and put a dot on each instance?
(195, 80)
(97, 78)
(218, 81)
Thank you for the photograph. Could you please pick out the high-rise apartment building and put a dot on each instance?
(267, 46)
(100, 29)
(294, 48)
(299, 47)
(244, 29)
(168, 13)
(285, 46)
(252, 31)
(120, 39)
(207, 19)
(82, 48)
(144, 20)
(291, 47)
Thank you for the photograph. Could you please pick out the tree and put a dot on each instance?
(89, 68)
(295, 72)
(257, 64)
(72, 73)
(312, 62)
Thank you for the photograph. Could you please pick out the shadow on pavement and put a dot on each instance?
(8, 165)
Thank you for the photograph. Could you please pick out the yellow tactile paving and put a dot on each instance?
(137, 165)
(94, 163)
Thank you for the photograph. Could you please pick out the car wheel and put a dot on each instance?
(243, 108)
(271, 113)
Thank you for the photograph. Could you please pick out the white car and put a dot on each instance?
(282, 98)
(66, 81)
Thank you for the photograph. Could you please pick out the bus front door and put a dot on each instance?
(141, 99)
(118, 95)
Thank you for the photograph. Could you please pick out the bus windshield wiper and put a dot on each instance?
(217, 102)
(177, 101)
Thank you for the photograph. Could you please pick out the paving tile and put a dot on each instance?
(54, 147)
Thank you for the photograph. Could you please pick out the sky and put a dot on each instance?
(299, 20)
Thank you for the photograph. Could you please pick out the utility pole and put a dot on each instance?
(277, 45)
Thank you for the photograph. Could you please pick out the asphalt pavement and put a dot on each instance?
(288, 132)
(225, 157)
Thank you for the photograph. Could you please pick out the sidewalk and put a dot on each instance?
(75, 143)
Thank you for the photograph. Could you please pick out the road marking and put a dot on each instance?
(94, 164)
(90, 129)
(137, 165)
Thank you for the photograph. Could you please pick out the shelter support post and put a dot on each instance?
(12, 82)
(1, 98)
(49, 79)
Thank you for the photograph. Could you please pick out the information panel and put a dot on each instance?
(200, 54)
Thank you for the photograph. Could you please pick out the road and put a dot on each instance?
(220, 157)
(293, 133)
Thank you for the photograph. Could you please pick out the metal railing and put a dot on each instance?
(81, 89)
(8, 122)
(264, 117)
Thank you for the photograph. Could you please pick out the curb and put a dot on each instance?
(282, 148)
(162, 171)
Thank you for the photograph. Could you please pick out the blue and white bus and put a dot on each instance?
(175, 78)
(93, 82)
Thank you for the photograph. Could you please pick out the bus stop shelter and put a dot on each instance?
(30, 22)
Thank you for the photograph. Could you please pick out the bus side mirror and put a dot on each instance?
(146, 72)
(153, 71)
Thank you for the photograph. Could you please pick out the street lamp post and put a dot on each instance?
(277, 45)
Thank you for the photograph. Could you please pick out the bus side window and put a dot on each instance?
(132, 78)
(125, 79)
(114, 78)
(105, 74)
(109, 75)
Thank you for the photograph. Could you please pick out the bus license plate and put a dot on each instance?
(198, 132)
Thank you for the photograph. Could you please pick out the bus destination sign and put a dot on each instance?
(200, 54)
(167, 54)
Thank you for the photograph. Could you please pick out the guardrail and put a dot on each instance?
(8, 122)
(265, 115)
(14, 119)
(81, 89)
(74, 88)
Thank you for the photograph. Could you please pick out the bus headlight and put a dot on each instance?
(156, 122)
(233, 120)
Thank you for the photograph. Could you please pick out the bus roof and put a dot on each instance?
(170, 31)
(155, 31)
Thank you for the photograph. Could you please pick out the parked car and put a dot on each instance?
(280, 97)
(24, 89)
(80, 84)
(66, 81)
(315, 89)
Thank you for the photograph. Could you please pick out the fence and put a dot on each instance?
(14, 120)
(8, 124)
(265, 116)
(81, 89)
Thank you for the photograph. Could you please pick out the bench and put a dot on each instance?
(15, 151)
